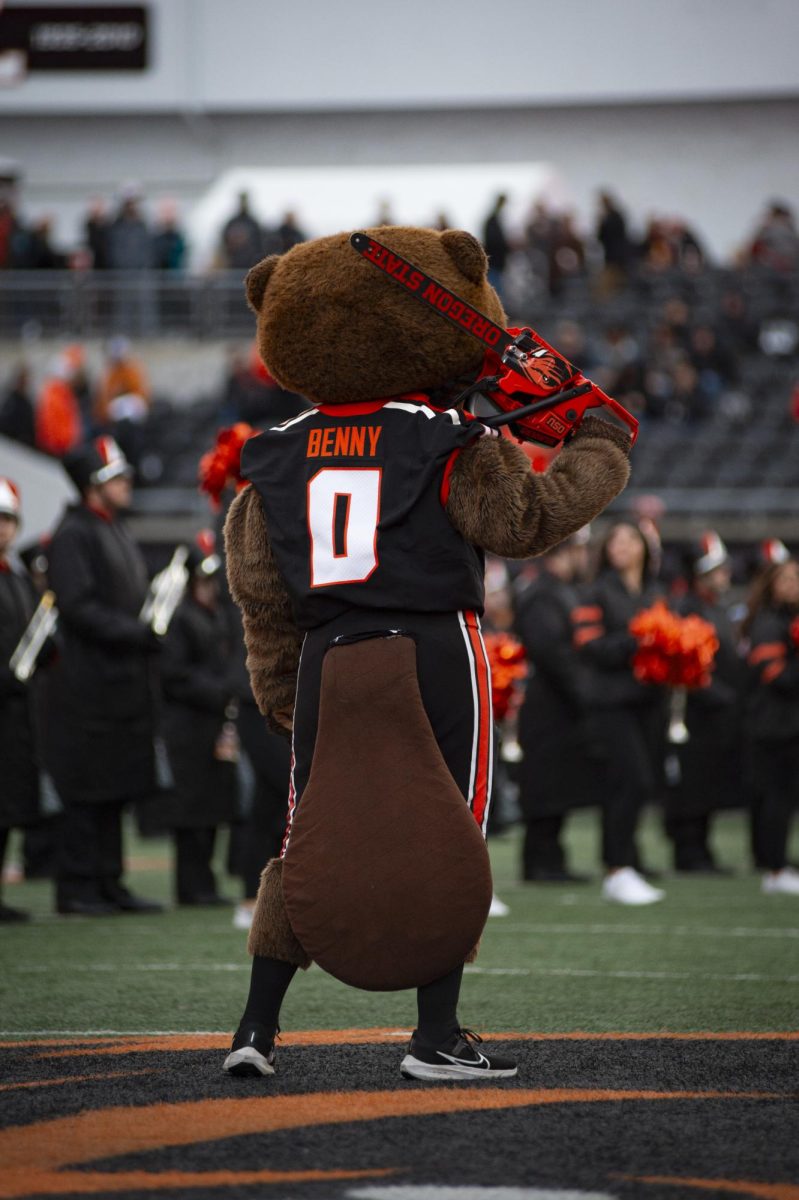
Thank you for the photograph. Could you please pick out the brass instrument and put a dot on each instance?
(166, 592)
(40, 626)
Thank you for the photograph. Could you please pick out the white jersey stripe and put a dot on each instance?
(292, 801)
(476, 704)
(489, 716)
(411, 408)
(288, 424)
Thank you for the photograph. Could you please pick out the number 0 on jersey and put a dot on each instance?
(343, 513)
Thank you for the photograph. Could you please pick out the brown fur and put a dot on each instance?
(271, 935)
(334, 329)
(498, 503)
(270, 633)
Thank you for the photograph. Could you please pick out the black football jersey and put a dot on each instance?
(354, 498)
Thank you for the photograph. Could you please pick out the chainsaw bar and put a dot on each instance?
(431, 293)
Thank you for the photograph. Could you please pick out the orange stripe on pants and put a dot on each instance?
(485, 719)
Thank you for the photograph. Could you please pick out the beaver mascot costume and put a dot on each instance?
(356, 557)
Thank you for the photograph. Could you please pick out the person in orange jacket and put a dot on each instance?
(123, 377)
(58, 424)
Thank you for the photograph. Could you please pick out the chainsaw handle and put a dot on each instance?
(621, 412)
(600, 400)
(507, 418)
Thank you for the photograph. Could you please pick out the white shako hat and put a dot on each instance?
(710, 553)
(9, 498)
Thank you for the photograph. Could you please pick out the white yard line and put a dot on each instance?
(92, 1033)
(581, 972)
(739, 931)
(575, 972)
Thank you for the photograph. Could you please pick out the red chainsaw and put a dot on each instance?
(518, 363)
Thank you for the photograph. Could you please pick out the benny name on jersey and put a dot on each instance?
(354, 441)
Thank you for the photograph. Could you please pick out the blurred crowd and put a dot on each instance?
(637, 313)
(131, 233)
(124, 237)
(137, 697)
(70, 408)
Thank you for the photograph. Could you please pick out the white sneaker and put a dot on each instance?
(242, 916)
(785, 882)
(626, 886)
(498, 909)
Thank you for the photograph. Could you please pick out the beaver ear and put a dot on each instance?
(467, 254)
(257, 279)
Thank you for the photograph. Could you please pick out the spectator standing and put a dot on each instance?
(199, 736)
(771, 718)
(289, 233)
(708, 767)
(99, 732)
(611, 232)
(9, 227)
(556, 770)
(776, 241)
(496, 244)
(630, 715)
(19, 748)
(40, 254)
(242, 238)
(130, 251)
(96, 234)
(17, 418)
(129, 241)
(566, 253)
(169, 243)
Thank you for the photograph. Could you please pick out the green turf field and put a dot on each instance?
(715, 955)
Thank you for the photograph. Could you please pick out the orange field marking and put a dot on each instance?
(139, 1043)
(56, 1183)
(38, 1083)
(36, 1158)
(746, 1187)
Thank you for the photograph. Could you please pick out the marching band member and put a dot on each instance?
(99, 735)
(708, 765)
(19, 750)
(771, 717)
(199, 736)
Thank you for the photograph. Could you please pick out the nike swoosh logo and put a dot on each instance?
(482, 1060)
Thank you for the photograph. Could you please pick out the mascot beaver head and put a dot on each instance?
(335, 330)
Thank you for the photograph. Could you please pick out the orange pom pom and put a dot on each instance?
(221, 467)
(506, 659)
(673, 651)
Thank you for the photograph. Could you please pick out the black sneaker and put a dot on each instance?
(455, 1059)
(251, 1053)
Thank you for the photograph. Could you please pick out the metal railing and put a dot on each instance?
(144, 304)
(139, 304)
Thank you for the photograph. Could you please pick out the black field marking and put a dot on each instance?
(595, 1146)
